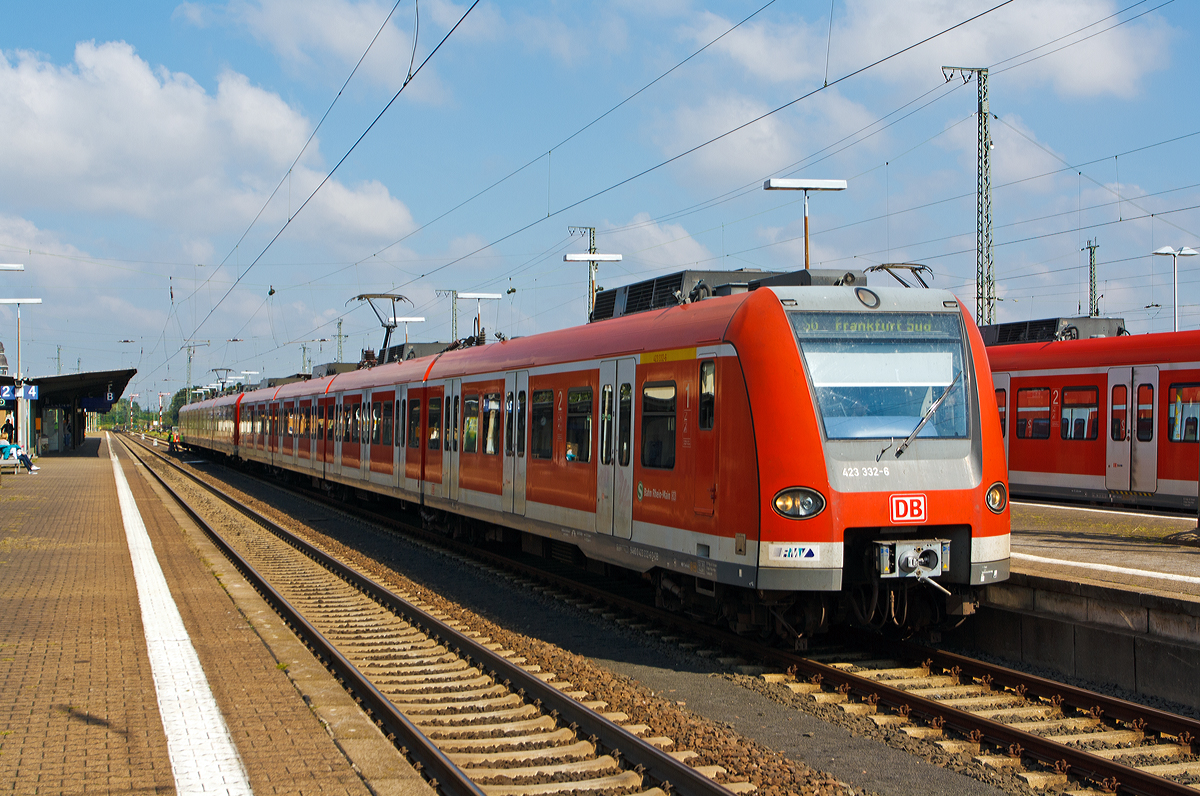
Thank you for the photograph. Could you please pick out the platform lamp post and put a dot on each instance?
(22, 420)
(592, 258)
(1175, 254)
(782, 184)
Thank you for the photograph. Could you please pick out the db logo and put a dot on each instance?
(908, 508)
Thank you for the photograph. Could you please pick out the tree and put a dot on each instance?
(171, 416)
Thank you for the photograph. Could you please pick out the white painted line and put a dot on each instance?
(1117, 512)
(1141, 573)
(204, 759)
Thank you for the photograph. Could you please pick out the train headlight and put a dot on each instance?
(996, 498)
(799, 503)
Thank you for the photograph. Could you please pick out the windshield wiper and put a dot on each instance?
(933, 407)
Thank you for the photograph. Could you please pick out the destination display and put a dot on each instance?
(876, 325)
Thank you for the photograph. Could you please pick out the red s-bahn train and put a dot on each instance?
(781, 459)
(1110, 420)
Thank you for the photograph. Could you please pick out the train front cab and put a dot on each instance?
(848, 501)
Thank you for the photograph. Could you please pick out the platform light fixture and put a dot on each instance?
(787, 184)
(406, 322)
(592, 259)
(1175, 254)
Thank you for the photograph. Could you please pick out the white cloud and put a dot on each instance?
(864, 31)
(660, 247)
(111, 136)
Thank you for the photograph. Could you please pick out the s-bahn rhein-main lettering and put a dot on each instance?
(714, 464)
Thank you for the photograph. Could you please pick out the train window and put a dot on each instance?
(400, 426)
(385, 424)
(454, 432)
(448, 427)
(658, 425)
(708, 394)
(1183, 412)
(491, 423)
(606, 424)
(579, 424)
(355, 423)
(1080, 413)
(376, 425)
(1002, 408)
(414, 423)
(1033, 413)
(1120, 413)
(521, 423)
(541, 446)
(1145, 412)
(435, 423)
(470, 432)
(330, 420)
(624, 425)
(508, 423)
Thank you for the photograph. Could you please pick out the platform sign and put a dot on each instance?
(30, 392)
(9, 392)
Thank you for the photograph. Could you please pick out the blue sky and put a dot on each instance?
(141, 140)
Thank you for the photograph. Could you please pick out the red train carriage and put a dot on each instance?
(781, 458)
(1109, 419)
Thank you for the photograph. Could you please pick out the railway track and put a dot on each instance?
(472, 716)
(1056, 735)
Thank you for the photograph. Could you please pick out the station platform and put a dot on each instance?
(100, 692)
(1147, 553)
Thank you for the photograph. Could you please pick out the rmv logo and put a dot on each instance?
(908, 508)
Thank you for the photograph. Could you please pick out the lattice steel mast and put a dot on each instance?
(985, 272)
(1093, 299)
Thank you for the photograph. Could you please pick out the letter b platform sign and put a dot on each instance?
(909, 508)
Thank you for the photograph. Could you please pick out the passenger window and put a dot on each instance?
(708, 394)
(521, 423)
(1120, 412)
(541, 446)
(1183, 412)
(435, 423)
(376, 424)
(414, 423)
(579, 425)
(470, 423)
(1033, 413)
(1145, 413)
(400, 425)
(1080, 413)
(508, 424)
(454, 441)
(606, 424)
(385, 419)
(446, 430)
(658, 425)
(491, 423)
(624, 425)
(1002, 408)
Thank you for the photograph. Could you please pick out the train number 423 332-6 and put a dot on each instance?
(864, 472)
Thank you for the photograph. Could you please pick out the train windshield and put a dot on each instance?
(878, 375)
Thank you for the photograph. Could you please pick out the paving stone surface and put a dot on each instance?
(78, 710)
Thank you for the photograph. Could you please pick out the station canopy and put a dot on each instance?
(94, 392)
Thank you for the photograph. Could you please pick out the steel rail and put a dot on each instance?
(1077, 762)
(642, 756)
(443, 774)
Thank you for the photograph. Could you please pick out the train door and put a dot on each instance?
(622, 524)
(1002, 382)
(1116, 470)
(431, 470)
(707, 448)
(606, 469)
(516, 406)
(1143, 466)
(450, 422)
